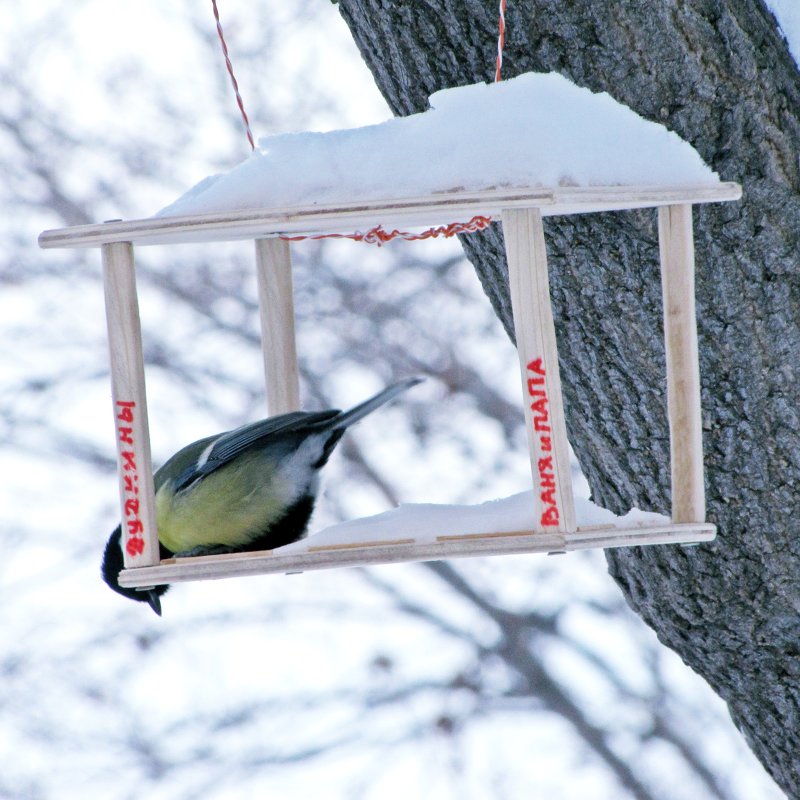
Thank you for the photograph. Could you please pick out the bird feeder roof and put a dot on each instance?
(536, 140)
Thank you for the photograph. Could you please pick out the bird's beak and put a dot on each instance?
(154, 600)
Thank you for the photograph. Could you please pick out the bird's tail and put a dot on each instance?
(368, 406)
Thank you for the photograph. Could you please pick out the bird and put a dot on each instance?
(251, 488)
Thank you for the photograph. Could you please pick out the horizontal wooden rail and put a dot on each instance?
(343, 217)
(383, 552)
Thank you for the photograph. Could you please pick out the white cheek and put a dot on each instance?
(297, 470)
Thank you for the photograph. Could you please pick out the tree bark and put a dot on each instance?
(719, 74)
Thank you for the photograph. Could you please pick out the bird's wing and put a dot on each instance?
(185, 459)
(255, 435)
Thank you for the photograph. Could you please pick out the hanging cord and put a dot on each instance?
(228, 64)
(378, 235)
(501, 41)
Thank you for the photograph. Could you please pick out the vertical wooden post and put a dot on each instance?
(137, 495)
(538, 356)
(274, 274)
(676, 243)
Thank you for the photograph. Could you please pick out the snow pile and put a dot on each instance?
(423, 522)
(532, 130)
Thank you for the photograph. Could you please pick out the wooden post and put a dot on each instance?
(683, 370)
(137, 495)
(541, 383)
(274, 273)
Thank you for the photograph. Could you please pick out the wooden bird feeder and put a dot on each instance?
(553, 525)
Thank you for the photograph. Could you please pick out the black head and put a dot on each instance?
(113, 563)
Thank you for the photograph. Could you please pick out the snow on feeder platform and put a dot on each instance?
(514, 151)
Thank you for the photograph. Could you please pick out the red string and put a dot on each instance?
(376, 235)
(501, 40)
(233, 77)
(379, 236)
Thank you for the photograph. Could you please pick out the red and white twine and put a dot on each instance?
(228, 64)
(501, 41)
(376, 235)
(379, 236)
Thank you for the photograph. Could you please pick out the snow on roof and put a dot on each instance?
(535, 130)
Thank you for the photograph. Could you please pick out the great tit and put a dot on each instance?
(252, 488)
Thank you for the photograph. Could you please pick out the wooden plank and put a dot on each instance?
(683, 370)
(276, 301)
(271, 562)
(529, 285)
(589, 199)
(693, 533)
(455, 537)
(216, 557)
(137, 495)
(438, 209)
(356, 545)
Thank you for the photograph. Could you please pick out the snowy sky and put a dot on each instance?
(787, 12)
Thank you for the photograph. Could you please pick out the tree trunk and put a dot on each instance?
(719, 74)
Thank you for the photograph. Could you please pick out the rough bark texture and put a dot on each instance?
(720, 75)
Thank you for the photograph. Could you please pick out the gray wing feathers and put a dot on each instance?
(232, 444)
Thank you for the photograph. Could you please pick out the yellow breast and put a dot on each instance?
(229, 507)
